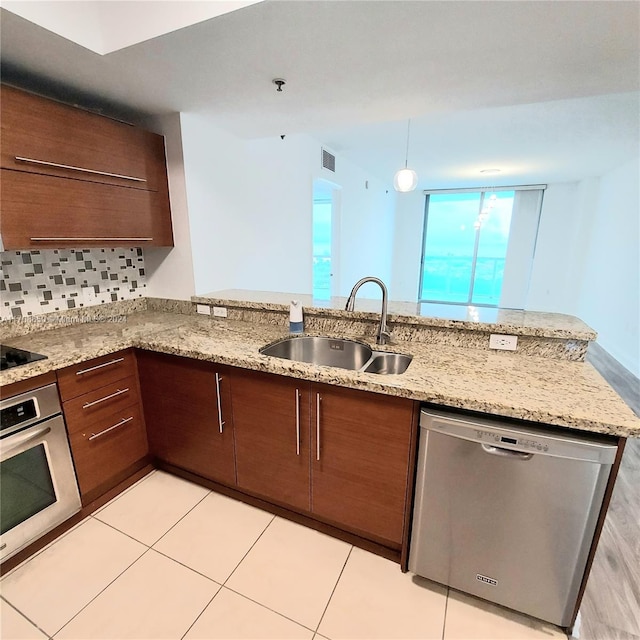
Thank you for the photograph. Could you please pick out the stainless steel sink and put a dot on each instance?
(337, 352)
(333, 352)
(388, 363)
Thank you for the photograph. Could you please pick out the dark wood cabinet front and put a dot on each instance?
(186, 426)
(73, 178)
(271, 419)
(101, 405)
(360, 460)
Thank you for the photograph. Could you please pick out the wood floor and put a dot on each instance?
(611, 606)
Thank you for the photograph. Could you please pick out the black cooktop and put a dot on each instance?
(12, 357)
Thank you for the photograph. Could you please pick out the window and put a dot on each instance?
(322, 210)
(464, 251)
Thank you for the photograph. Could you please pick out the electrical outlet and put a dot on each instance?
(204, 309)
(504, 343)
(220, 312)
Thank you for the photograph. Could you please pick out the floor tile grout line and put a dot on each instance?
(113, 500)
(334, 589)
(106, 524)
(75, 615)
(264, 606)
(45, 548)
(75, 526)
(186, 566)
(249, 550)
(25, 616)
(444, 618)
(200, 614)
(206, 495)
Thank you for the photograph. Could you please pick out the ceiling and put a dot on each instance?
(547, 91)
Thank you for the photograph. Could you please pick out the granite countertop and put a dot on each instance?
(563, 393)
(448, 316)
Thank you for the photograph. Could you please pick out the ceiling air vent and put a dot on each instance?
(328, 161)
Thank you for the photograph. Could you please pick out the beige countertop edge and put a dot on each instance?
(419, 321)
(192, 337)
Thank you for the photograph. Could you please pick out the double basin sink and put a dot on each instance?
(338, 352)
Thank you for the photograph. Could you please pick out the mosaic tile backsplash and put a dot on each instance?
(35, 282)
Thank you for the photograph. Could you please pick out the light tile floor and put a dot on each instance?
(169, 559)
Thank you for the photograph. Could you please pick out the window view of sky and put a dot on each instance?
(465, 247)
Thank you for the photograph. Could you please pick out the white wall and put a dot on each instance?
(407, 246)
(250, 209)
(610, 294)
(170, 271)
(553, 286)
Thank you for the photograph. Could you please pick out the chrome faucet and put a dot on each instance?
(383, 334)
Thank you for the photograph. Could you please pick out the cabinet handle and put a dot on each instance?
(318, 399)
(80, 169)
(220, 422)
(297, 422)
(99, 366)
(122, 422)
(119, 392)
(91, 239)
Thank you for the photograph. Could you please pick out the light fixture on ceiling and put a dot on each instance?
(405, 179)
(490, 171)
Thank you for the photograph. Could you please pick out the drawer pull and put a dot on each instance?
(122, 422)
(91, 239)
(80, 169)
(119, 392)
(99, 366)
(220, 422)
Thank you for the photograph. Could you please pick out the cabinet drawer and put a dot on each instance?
(95, 406)
(108, 448)
(94, 374)
(44, 136)
(44, 211)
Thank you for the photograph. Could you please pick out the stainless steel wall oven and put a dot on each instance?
(38, 488)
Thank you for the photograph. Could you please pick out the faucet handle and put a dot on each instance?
(383, 337)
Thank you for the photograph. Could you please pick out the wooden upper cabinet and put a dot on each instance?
(43, 136)
(271, 420)
(74, 178)
(184, 404)
(360, 460)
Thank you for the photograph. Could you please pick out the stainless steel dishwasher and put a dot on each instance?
(507, 513)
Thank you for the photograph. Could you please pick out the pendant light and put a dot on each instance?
(405, 179)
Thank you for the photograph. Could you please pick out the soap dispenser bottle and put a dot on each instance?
(296, 324)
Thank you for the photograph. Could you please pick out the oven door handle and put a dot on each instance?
(34, 436)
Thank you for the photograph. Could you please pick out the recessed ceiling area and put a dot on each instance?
(104, 27)
(545, 91)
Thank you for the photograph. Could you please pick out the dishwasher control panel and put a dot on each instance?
(499, 439)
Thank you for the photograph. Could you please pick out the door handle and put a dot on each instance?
(318, 400)
(506, 453)
(220, 422)
(297, 422)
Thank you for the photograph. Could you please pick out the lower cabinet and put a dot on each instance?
(101, 406)
(187, 410)
(342, 455)
(360, 460)
(103, 450)
(271, 420)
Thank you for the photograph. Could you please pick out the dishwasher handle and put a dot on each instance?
(506, 453)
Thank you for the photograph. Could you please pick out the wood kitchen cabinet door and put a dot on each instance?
(271, 420)
(180, 400)
(360, 460)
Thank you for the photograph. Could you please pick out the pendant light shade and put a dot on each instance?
(405, 179)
